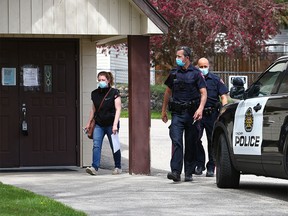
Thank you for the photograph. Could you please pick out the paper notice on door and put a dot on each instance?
(8, 76)
(30, 77)
(115, 142)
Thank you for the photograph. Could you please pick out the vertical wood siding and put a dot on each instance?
(4, 11)
(77, 17)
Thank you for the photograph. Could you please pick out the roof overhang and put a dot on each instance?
(151, 12)
(110, 40)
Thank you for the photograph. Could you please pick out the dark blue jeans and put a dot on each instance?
(206, 123)
(181, 124)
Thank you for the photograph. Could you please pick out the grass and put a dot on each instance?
(158, 89)
(124, 114)
(16, 201)
(154, 114)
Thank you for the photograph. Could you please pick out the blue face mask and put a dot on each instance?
(102, 84)
(179, 62)
(204, 71)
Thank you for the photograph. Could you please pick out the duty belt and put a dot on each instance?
(208, 110)
(181, 106)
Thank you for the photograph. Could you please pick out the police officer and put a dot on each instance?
(186, 97)
(215, 89)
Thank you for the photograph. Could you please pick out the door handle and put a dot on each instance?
(24, 110)
(24, 125)
(257, 107)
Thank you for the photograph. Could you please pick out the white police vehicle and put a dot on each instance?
(251, 136)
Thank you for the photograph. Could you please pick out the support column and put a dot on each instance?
(139, 104)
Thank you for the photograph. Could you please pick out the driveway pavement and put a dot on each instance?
(127, 194)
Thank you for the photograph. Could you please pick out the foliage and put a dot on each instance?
(283, 13)
(156, 98)
(157, 89)
(15, 201)
(118, 49)
(281, 1)
(157, 95)
(154, 114)
(210, 26)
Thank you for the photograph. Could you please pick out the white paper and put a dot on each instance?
(115, 142)
(30, 77)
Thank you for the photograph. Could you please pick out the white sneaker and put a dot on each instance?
(116, 171)
(91, 171)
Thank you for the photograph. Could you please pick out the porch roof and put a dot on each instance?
(80, 18)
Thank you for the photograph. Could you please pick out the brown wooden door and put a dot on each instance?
(9, 108)
(46, 101)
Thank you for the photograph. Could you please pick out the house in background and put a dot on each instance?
(279, 43)
(48, 67)
(117, 62)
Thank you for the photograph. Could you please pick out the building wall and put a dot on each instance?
(116, 62)
(87, 20)
(279, 43)
(88, 77)
(77, 17)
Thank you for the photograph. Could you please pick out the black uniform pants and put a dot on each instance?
(181, 124)
(207, 123)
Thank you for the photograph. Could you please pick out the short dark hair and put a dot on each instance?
(186, 49)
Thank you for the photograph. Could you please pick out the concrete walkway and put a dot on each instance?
(127, 195)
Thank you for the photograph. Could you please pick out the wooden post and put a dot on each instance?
(139, 104)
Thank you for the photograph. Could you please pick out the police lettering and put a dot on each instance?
(252, 141)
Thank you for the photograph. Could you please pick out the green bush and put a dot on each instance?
(157, 95)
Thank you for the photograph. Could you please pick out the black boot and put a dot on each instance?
(174, 176)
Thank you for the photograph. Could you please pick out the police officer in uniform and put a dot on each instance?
(186, 97)
(215, 89)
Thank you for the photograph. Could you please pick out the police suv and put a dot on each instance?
(250, 136)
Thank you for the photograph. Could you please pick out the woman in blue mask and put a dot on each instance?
(106, 109)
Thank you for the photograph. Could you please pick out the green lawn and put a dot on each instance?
(154, 114)
(16, 201)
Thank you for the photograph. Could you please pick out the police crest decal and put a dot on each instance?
(248, 120)
(247, 140)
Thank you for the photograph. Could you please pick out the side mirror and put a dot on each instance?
(237, 91)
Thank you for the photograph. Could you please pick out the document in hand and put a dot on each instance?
(115, 142)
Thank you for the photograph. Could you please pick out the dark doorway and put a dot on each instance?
(38, 107)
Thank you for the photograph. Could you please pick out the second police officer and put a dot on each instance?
(186, 97)
(216, 89)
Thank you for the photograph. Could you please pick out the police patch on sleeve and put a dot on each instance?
(248, 126)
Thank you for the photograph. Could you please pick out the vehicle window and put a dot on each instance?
(284, 85)
(265, 85)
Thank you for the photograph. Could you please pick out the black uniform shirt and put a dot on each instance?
(215, 88)
(185, 84)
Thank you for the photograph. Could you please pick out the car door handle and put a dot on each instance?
(257, 107)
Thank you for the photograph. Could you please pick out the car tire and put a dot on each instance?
(226, 175)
